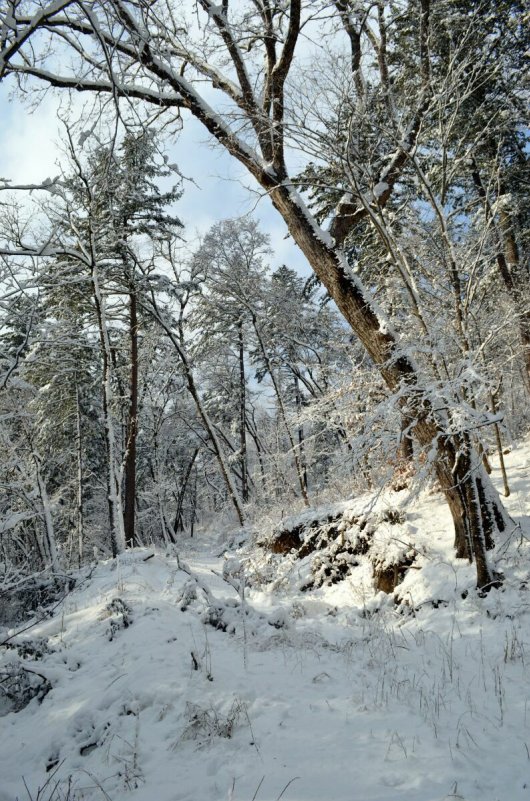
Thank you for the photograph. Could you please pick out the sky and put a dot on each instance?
(220, 189)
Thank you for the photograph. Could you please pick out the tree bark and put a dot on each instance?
(132, 429)
(459, 478)
(117, 533)
(202, 412)
(178, 524)
(498, 442)
(50, 545)
(301, 438)
(283, 414)
(264, 113)
(79, 450)
(242, 415)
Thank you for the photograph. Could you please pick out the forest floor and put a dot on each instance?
(168, 682)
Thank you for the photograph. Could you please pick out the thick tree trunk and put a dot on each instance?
(474, 504)
(461, 481)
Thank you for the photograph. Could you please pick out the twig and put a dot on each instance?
(257, 788)
(52, 609)
(286, 786)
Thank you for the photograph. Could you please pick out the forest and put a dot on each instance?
(190, 399)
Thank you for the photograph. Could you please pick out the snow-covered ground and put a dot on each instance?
(168, 683)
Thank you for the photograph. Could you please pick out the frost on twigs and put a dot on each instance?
(32, 596)
(207, 724)
(187, 595)
(120, 614)
(35, 649)
(18, 686)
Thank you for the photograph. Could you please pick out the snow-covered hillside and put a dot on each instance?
(161, 680)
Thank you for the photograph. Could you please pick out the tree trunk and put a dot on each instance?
(50, 545)
(474, 524)
(507, 257)
(405, 452)
(518, 292)
(301, 438)
(117, 533)
(202, 412)
(242, 415)
(193, 517)
(499, 446)
(132, 429)
(259, 453)
(178, 524)
(79, 450)
(283, 414)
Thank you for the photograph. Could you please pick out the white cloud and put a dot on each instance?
(28, 151)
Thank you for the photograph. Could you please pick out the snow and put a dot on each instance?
(380, 189)
(320, 234)
(170, 682)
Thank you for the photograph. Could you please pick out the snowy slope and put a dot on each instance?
(168, 684)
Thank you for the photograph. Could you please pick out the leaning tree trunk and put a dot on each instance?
(475, 508)
(233, 494)
(136, 38)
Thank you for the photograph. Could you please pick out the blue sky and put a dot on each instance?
(29, 154)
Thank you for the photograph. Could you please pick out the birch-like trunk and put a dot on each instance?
(50, 544)
(117, 531)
